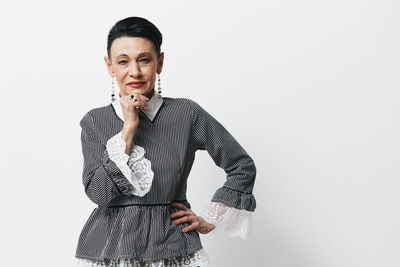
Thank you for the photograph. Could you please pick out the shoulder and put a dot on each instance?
(187, 108)
(183, 103)
(96, 114)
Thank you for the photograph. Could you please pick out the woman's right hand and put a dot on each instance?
(131, 117)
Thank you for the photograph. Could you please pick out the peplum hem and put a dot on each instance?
(144, 233)
(236, 199)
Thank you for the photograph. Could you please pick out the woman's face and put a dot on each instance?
(134, 59)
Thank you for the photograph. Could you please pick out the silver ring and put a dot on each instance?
(133, 98)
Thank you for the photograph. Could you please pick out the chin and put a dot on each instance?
(131, 90)
(142, 91)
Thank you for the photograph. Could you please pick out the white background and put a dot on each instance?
(309, 88)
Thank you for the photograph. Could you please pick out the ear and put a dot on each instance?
(108, 65)
(160, 63)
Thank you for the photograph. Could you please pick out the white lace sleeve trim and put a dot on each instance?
(135, 167)
(235, 222)
(199, 258)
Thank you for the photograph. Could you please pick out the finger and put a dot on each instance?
(145, 104)
(179, 205)
(191, 227)
(139, 97)
(185, 219)
(180, 213)
(128, 103)
(135, 98)
(140, 103)
(142, 97)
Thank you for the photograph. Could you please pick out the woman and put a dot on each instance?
(138, 152)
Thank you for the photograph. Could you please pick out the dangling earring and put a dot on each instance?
(113, 91)
(159, 87)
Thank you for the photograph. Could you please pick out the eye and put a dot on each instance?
(145, 60)
(122, 62)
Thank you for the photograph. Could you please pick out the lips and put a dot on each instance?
(135, 84)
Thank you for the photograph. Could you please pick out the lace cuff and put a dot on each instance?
(236, 222)
(135, 167)
(235, 198)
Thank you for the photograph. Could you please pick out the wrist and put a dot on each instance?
(129, 127)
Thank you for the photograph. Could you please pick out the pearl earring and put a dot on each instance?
(113, 91)
(159, 87)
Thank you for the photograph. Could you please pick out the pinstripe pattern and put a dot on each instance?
(128, 226)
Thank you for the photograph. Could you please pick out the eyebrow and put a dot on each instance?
(140, 54)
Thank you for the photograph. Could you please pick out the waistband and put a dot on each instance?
(150, 204)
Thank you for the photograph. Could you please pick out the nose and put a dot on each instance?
(134, 70)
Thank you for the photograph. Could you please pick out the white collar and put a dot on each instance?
(151, 110)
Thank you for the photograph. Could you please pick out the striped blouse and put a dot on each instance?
(131, 225)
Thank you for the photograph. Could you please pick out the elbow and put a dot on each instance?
(251, 173)
(97, 190)
(94, 196)
(254, 169)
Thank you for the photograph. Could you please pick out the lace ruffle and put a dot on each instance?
(199, 258)
(135, 167)
(236, 199)
(236, 222)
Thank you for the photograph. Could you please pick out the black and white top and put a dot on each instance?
(131, 225)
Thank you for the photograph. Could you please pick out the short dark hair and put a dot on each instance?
(135, 27)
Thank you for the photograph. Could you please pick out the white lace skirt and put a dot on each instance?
(199, 258)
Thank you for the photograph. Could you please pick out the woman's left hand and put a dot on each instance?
(197, 222)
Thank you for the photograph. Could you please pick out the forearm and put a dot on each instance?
(127, 134)
(104, 182)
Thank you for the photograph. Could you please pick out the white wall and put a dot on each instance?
(309, 88)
